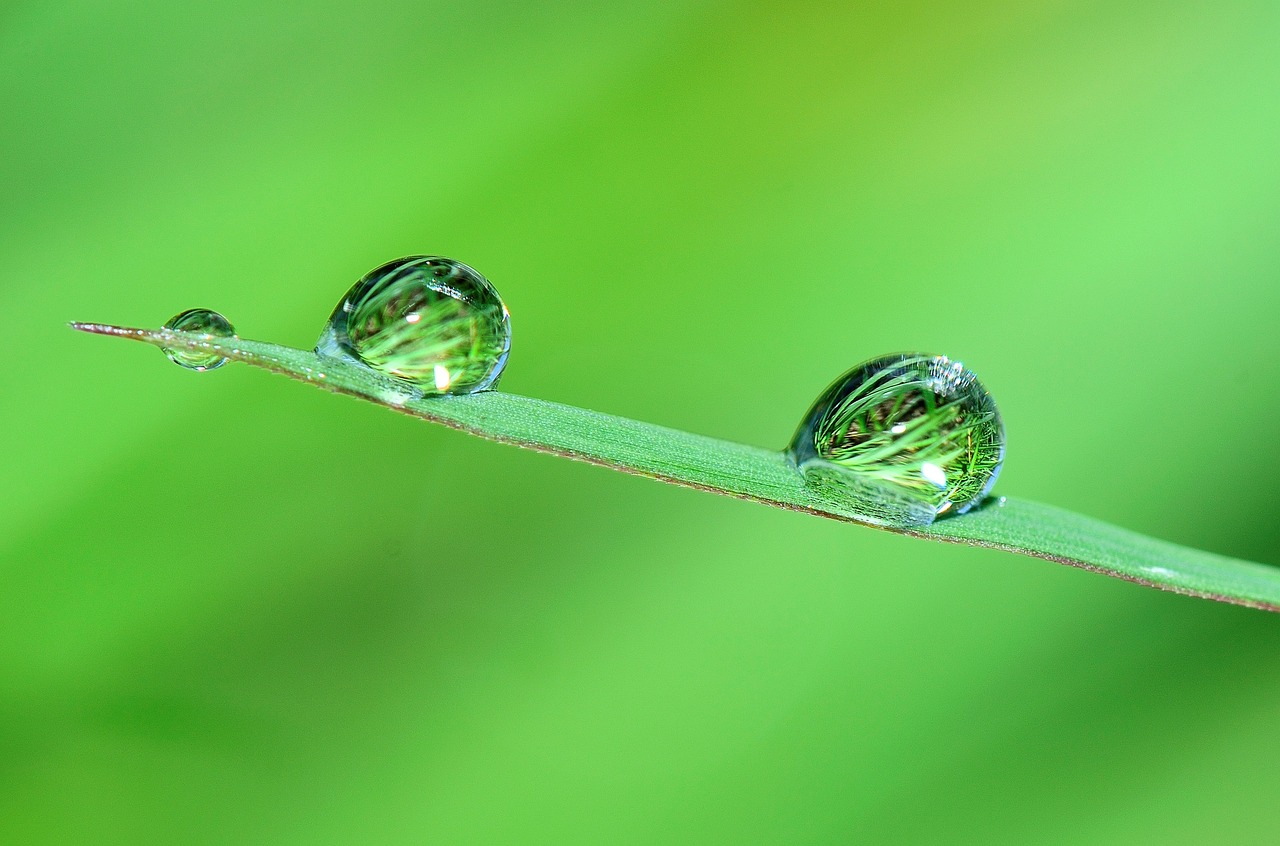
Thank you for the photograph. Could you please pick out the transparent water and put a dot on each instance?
(902, 439)
(429, 321)
(203, 321)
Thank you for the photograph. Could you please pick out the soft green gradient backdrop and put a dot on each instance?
(375, 630)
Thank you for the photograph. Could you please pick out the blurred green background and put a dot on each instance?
(233, 609)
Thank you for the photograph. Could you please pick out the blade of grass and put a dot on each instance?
(752, 473)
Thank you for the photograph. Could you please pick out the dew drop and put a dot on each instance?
(201, 321)
(904, 439)
(430, 321)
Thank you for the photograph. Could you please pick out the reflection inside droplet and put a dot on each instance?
(429, 321)
(910, 427)
(200, 321)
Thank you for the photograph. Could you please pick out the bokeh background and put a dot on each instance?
(234, 609)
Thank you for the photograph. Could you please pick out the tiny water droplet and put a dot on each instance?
(203, 321)
(427, 320)
(904, 439)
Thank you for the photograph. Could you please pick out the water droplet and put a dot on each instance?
(903, 439)
(203, 321)
(427, 320)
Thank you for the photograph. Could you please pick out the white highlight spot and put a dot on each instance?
(933, 474)
(898, 428)
(413, 317)
(443, 378)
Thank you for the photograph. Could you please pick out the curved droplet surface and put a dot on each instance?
(909, 437)
(205, 322)
(427, 320)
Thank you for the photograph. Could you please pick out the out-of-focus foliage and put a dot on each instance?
(698, 214)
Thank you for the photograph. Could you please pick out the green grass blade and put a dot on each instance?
(752, 473)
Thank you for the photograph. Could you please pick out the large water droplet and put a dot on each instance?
(427, 320)
(203, 321)
(906, 438)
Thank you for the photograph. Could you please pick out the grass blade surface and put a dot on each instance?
(753, 473)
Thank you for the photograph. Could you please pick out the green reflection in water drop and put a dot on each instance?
(902, 439)
(426, 320)
(202, 321)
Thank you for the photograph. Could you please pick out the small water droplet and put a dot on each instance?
(910, 436)
(430, 321)
(206, 322)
